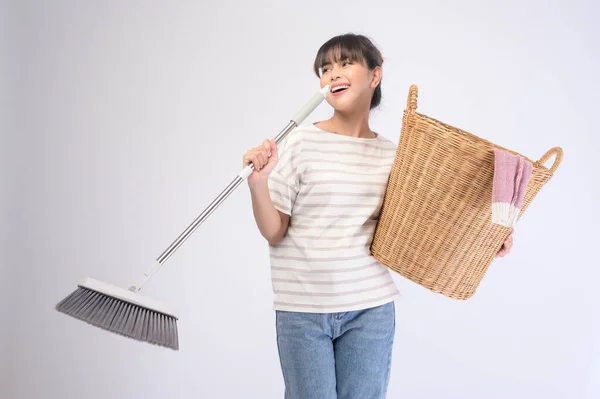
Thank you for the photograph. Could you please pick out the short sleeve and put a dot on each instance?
(284, 179)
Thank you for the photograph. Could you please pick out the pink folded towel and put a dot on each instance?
(511, 176)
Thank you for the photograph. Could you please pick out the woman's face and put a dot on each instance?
(352, 84)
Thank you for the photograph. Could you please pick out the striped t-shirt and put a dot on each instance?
(332, 186)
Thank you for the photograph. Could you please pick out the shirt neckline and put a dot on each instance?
(342, 136)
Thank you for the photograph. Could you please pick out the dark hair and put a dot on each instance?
(356, 48)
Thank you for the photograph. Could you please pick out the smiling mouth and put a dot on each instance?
(339, 89)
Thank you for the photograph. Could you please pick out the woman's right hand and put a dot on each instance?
(264, 158)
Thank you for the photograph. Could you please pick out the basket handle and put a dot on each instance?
(411, 102)
(552, 151)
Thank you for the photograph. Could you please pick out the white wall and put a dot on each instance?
(132, 115)
(6, 194)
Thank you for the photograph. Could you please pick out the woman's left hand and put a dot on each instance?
(508, 243)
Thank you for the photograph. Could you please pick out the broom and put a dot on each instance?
(125, 311)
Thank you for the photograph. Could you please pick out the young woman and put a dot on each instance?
(316, 200)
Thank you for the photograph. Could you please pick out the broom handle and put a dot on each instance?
(307, 109)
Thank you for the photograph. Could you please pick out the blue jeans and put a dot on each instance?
(336, 355)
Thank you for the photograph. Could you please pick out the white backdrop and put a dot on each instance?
(6, 194)
(131, 116)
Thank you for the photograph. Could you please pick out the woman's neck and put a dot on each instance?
(353, 125)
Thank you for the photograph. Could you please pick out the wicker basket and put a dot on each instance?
(435, 227)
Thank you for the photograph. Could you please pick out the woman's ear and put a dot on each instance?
(376, 78)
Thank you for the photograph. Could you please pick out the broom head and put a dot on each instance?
(122, 312)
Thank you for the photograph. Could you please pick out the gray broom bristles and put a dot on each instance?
(121, 317)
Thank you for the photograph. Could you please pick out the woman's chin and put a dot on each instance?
(345, 105)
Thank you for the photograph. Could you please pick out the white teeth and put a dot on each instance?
(338, 88)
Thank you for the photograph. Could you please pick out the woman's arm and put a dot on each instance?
(271, 222)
